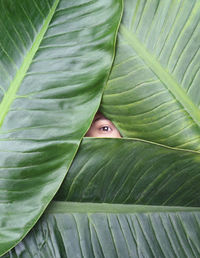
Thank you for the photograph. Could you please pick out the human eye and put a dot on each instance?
(105, 128)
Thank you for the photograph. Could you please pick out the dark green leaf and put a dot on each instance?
(55, 60)
(153, 91)
(111, 230)
(133, 172)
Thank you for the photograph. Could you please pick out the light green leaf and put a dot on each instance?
(113, 230)
(133, 172)
(153, 91)
(55, 60)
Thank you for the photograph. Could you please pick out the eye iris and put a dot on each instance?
(105, 128)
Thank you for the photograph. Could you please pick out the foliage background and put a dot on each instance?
(56, 65)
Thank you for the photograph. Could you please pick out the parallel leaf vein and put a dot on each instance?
(163, 74)
(15, 84)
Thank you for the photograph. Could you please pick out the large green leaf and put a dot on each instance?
(55, 60)
(104, 230)
(153, 91)
(133, 172)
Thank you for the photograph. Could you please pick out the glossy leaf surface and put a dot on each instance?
(153, 90)
(133, 172)
(100, 230)
(55, 60)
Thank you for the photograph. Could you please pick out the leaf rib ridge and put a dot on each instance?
(10, 95)
(163, 74)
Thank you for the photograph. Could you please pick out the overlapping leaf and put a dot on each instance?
(55, 59)
(100, 230)
(153, 91)
(133, 172)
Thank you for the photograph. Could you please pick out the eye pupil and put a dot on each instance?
(105, 128)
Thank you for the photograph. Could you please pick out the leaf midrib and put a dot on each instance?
(163, 74)
(78, 207)
(10, 95)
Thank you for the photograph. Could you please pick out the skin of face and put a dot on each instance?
(102, 127)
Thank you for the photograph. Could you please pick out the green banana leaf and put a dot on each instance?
(128, 171)
(56, 57)
(112, 230)
(153, 90)
(55, 61)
